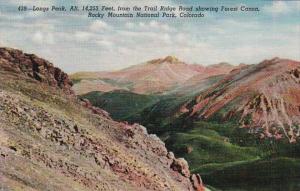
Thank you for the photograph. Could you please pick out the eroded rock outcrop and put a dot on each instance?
(13, 60)
(197, 182)
(181, 166)
(51, 141)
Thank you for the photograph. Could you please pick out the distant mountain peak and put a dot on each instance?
(171, 59)
(168, 59)
(153, 76)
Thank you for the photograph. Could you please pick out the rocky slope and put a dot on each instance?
(209, 71)
(50, 140)
(32, 66)
(155, 76)
(264, 98)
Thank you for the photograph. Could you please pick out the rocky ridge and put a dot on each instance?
(50, 140)
(39, 69)
(264, 96)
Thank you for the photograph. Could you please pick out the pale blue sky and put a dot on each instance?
(75, 43)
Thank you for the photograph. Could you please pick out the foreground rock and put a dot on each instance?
(49, 140)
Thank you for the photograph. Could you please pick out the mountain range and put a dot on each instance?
(154, 76)
(238, 120)
(265, 96)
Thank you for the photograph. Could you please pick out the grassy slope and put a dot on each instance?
(121, 104)
(214, 151)
(209, 147)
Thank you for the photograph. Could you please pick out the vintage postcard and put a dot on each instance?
(161, 95)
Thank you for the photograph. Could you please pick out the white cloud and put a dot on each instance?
(151, 38)
(82, 36)
(1, 42)
(278, 7)
(38, 37)
(98, 26)
(148, 26)
(295, 29)
(141, 24)
(124, 51)
(104, 43)
(43, 38)
(158, 25)
(129, 25)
